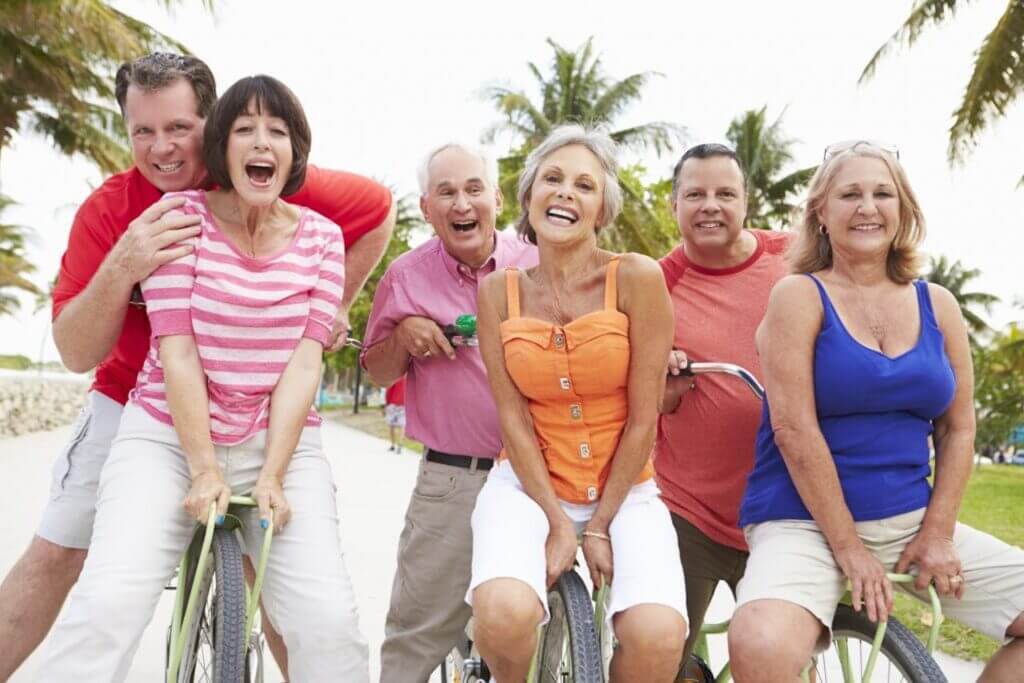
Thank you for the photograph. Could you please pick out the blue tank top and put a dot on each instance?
(876, 414)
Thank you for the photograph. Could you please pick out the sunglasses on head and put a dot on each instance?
(852, 145)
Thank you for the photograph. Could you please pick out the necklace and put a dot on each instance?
(877, 326)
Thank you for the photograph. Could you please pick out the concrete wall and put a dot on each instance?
(32, 403)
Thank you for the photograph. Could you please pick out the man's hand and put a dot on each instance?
(422, 338)
(152, 239)
(339, 333)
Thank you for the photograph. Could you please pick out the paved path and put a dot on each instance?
(373, 490)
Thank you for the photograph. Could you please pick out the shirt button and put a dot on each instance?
(564, 383)
(575, 411)
(592, 493)
(584, 450)
(559, 340)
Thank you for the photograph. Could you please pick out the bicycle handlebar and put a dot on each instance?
(692, 369)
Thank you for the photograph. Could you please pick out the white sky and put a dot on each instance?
(383, 82)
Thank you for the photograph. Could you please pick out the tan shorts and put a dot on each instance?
(790, 560)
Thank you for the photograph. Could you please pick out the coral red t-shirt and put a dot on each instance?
(395, 394)
(705, 449)
(355, 203)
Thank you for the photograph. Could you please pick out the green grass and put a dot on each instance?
(369, 420)
(994, 503)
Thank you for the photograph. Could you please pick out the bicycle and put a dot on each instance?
(574, 646)
(898, 647)
(211, 637)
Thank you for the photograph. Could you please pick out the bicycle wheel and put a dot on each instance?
(569, 651)
(902, 657)
(215, 643)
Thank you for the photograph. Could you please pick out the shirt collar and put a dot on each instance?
(460, 271)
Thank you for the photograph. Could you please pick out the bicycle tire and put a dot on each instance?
(215, 643)
(569, 642)
(901, 652)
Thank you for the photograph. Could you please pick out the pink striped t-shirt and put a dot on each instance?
(247, 316)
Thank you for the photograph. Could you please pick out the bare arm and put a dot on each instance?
(517, 432)
(89, 325)
(932, 551)
(189, 405)
(785, 342)
(289, 406)
(360, 260)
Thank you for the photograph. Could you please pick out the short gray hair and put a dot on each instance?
(490, 165)
(602, 147)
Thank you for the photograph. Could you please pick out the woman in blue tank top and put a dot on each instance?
(867, 369)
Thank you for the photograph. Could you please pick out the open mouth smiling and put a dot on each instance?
(172, 167)
(260, 173)
(464, 226)
(562, 216)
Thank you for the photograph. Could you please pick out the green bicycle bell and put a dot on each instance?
(465, 325)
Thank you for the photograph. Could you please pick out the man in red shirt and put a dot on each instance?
(121, 233)
(719, 278)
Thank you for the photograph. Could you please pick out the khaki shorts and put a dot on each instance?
(791, 560)
(510, 530)
(69, 514)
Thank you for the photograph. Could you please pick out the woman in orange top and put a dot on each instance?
(575, 350)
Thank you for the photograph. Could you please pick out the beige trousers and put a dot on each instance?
(142, 529)
(435, 551)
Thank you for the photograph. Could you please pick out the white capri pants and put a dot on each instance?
(510, 531)
(142, 529)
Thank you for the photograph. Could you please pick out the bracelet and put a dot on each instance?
(597, 534)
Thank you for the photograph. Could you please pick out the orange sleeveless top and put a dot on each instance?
(575, 378)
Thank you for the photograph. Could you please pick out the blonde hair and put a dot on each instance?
(811, 249)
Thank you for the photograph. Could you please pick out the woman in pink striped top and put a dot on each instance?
(223, 403)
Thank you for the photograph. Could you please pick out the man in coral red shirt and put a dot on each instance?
(121, 233)
(719, 278)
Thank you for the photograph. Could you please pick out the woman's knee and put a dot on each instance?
(656, 632)
(771, 638)
(504, 609)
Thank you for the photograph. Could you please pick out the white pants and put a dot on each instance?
(510, 531)
(142, 529)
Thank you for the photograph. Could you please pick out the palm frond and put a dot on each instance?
(997, 80)
(924, 13)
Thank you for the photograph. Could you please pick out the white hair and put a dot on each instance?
(490, 165)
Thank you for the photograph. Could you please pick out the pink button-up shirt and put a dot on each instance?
(448, 403)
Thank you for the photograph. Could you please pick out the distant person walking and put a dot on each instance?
(394, 413)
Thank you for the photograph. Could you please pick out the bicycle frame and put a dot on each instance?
(185, 607)
(701, 647)
(725, 675)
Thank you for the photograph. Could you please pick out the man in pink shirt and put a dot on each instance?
(719, 278)
(449, 407)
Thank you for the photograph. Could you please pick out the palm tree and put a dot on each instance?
(998, 76)
(954, 277)
(576, 89)
(765, 151)
(57, 59)
(14, 267)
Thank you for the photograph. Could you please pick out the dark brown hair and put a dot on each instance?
(159, 70)
(266, 94)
